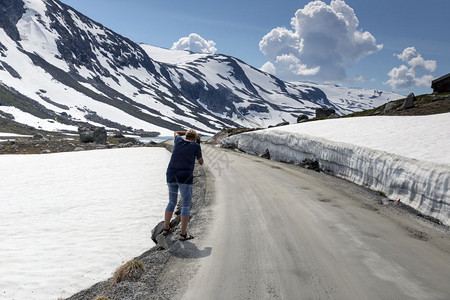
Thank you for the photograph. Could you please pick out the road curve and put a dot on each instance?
(282, 232)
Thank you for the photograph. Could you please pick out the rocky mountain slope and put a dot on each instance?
(59, 68)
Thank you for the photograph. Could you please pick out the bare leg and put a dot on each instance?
(184, 223)
(167, 217)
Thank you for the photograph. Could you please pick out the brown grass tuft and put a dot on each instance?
(102, 298)
(131, 270)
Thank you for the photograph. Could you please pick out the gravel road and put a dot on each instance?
(269, 230)
(282, 232)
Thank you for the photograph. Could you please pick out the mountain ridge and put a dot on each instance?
(69, 70)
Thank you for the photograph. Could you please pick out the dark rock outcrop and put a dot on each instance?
(324, 112)
(302, 118)
(310, 164)
(93, 135)
(266, 154)
(11, 12)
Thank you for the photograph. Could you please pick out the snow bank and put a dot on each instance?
(68, 220)
(421, 183)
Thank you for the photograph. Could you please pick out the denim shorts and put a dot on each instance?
(186, 197)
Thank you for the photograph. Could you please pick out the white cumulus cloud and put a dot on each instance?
(323, 42)
(415, 60)
(195, 43)
(404, 77)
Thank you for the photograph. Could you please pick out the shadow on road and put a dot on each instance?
(189, 250)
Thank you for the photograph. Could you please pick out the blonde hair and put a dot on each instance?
(191, 134)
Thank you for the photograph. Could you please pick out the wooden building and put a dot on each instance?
(441, 84)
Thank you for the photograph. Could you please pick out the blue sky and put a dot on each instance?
(355, 43)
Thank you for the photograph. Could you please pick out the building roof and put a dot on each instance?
(441, 78)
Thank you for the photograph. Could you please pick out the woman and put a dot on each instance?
(179, 176)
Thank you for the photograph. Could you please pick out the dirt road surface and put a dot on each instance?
(283, 232)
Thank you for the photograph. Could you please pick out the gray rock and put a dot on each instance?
(164, 241)
(266, 154)
(324, 112)
(38, 136)
(409, 102)
(310, 164)
(157, 231)
(46, 151)
(389, 106)
(93, 135)
(79, 149)
(302, 118)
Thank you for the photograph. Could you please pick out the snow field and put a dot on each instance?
(68, 220)
(414, 168)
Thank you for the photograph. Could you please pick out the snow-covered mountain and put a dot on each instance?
(59, 68)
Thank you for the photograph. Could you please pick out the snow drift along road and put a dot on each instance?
(406, 158)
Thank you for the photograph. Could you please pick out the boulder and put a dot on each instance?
(93, 134)
(409, 102)
(302, 118)
(161, 240)
(324, 112)
(266, 154)
(164, 241)
(389, 106)
(310, 164)
(157, 231)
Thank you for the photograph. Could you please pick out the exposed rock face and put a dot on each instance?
(93, 135)
(11, 12)
(324, 112)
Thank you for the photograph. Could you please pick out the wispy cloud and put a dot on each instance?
(323, 42)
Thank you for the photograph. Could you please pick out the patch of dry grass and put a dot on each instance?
(131, 270)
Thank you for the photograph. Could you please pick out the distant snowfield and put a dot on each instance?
(406, 158)
(68, 220)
